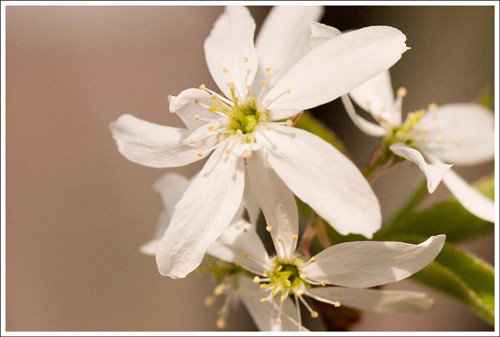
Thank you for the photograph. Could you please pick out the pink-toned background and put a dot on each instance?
(77, 211)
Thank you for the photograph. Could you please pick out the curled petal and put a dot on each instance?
(205, 210)
(277, 203)
(240, 243)
(367, 264)
(462, 134)
(191, 106)
(367, 127)
(323, 178)
(433, 172)
(155, 145)
(320, 33)
(230, 51)
(381, 301)
(335, 68)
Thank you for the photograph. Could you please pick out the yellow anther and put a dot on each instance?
(245, 230)
(262, 286)
(225, 70)
(221, 324)
(263, 300)
(295, 237)
(280, 238)
(213, 96)
(302, 276)
(249, 87)
(221, 138)
(220, 289)
(289, 122)
(432, 106)
(197, 117)
(268, 228)
(312, 260)
(288, 283)
(299, 292)
(228, 151)
(440, 139)
(279, 267)
(191, 141)
(245, 59)
(247, 154)
(268, 127)
(245, 255)
(273, 292)
(203, 87)
(209, 301)
(323, 283)
(336, 304)
(368, 103)
(263, 82)
(196, 101)
(200, 154)
(268, 70)
(239, 132)
(211, 128)
(289, 90)
(402, 92)
(278, 320)
(458, 142)
(256, 280)
(232, 84)
(283, 298)
(314, 314)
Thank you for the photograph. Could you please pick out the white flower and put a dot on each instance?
(349, 267)
(461, 134)
(233, 283)
(241, 124)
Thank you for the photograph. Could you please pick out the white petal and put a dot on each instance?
(320, 33)
(283, 37)
(205, 210)
(237, 241)
(367, 127)
(366, 264)
(251, 204)
(335, 68)
(265, 314)
(149, 248)
(381, 301)
(376, 96)
(156, 145)
(323, 178)
(277, 203)
(230, 46)
(189, 103)
(461, 134)
(472, 200)
(433, 172)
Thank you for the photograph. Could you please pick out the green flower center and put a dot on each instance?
(285, 278)
(245, 118)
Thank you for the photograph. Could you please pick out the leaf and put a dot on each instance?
(447, 217)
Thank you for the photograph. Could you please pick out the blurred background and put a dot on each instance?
(77, 211)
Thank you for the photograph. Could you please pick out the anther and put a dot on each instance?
(256, 280)
(245, 230)
(299, 292)
(312, 260)
(289, 90)
(263, 300)
(314, 314)
(209, 301)
(289, 122)
(245, 255)
(197, 117)
(219, 290)
(423, 128)
(263, 82)
(288, 283)
(268, 228)
(225, 70)
(239, 132)
(402, 92)
(200, 154)
(237, 263)
(383, 109)
(196, 101)
(302, 276)
(283, 298)
(278, 320)
(245, 59)
(268, 128)
(232, 84)
(203, 87)
(249, 87)
(191, 141)
(228, 151)
(295, 237)
(221, 324)
(336, 304)
(268, 70)
(240, 290)
(432, 106)
(221, 138)
(323, 283)
(280, 239)
(368, 103)
(458, 142)
(211, 128)
(247, 154)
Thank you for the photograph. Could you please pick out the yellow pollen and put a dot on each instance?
(402, 92)
(203, 87)
(283, 298)
(191, 141)
(289, 90)
(314, 314)
(295, 237)
(262, 286)
(263, 82)
(245, 230)
(302, 276)
(239, 132)
(245, 255)
(299, 292)
(225, 70)
(209, 301)
(440, 139)
(263, 300)
(219, 290)
(278, 320)
(211, 128)
(279, 267)
(232, 84)
(197, 117)
(247, 154)
(196, 101)
(323, 283)
(289, 122)
(245, 59)
(200, 154)
(228, 151)
(312, 260)
(249, 87)
(221, 324)
(221, 138)
(458, 142)
(268, 70)
(268, 127)
(336, 304)
(273, 292)
(280, 239)
(268, 228)
(432, 106)
(256, 280)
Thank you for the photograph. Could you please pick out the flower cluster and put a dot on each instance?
(259, 162)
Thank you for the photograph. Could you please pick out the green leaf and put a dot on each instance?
(447, 217)
(464, 277)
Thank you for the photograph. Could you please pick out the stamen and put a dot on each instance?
(458, 142)
(312, 260)
(197, 117)
(432, 106)
(256, 280)
(225, 70)
(209, 301)
(200, 154)
(314, 314)
(289, 122)
(221, 138)
(245, 59)
(247, 154)
(191, 141)
(245, 255)
(269, 228)
(211, 128)
(295, 237)
(196, 101)
(402, 92)
(228, 151)
(221, 323)
(220, 289)
(203, 87)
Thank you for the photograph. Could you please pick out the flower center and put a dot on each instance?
(405, 133)
(285, 278)
(245, 118)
